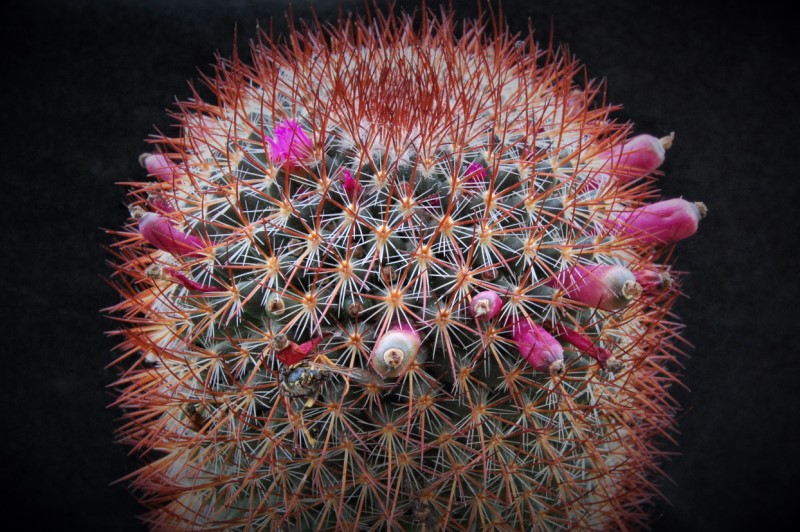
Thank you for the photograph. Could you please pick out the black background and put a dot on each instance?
(85, 82)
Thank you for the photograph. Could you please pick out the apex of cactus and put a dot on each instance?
(389, 277)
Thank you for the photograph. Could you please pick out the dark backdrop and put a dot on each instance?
(85, 82)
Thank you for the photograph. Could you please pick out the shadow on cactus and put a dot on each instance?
(396, 279)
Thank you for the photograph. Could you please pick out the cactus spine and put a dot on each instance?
(393, 279)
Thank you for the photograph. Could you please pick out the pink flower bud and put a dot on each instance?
(603, 286)
(486, 305)
(161, 167)
(652, 281)
(395, 351)
(160, 232)
(663, 222)
(290, 143)
(538, 347)
(585, 345)
(636, 157)
(351, 186)
(474, 173)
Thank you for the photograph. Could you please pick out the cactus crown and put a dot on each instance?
(391, 278)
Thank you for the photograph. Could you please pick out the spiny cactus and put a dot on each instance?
(391, 278)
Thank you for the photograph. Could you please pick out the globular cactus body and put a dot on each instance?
(394, 279)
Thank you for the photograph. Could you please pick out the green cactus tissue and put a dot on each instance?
(391, 278)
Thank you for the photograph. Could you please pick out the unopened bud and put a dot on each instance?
(636, 157)
(351, 186)
(663, 222)
(538, 347)
(160, 232)
(474, 173)
(161, 167)
(395, 351)
(603, 286)
(486, 305)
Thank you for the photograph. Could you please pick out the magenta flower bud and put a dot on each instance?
(351, 186)
(663, 222)
(161, 167)
(395, 351)
(652, 281)
(474, 173)
(585, 345)
(290, 143)
(160, 232)
(636, 157)
(538, 347)
(603, 286)
(486, 305)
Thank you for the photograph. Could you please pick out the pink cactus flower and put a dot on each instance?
(663, 222)
(538, 347)
(290, 143)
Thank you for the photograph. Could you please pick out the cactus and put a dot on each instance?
(396, 279)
